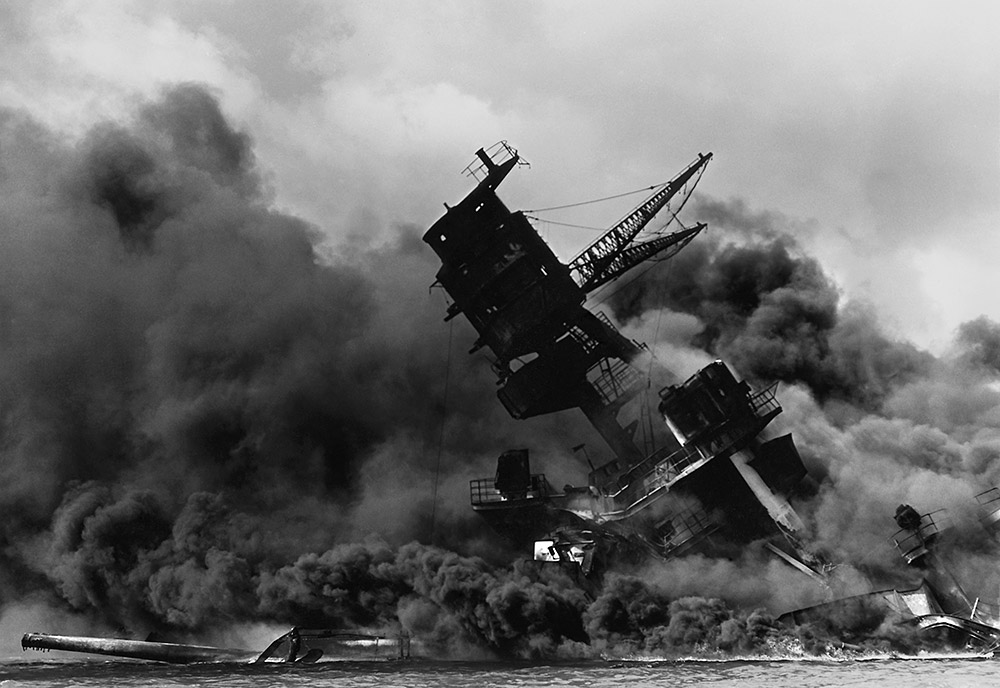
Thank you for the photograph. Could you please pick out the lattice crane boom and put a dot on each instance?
(671, 244)
(591, 264)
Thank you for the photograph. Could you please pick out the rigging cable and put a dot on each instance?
(652, 356)
(596, 200)
(592, 297)
(619, 283)
(565, 224)
(444, 420)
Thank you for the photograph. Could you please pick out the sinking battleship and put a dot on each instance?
(716, 481)
(712, 482)
(715, 485)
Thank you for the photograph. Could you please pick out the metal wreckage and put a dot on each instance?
(297, 646)
(706, 480)
(715, 484)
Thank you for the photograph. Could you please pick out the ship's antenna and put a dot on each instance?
(444, 420)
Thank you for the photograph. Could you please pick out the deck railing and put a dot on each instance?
(484, 491)
(912, 544)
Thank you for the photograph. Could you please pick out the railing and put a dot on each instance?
(663, 468)
(765, 402)
(988, 498)
(912, 544)
(764, 407)
(499, 153)
(666, 472)
(657, 471)
(989, 505)
(644, 467)
(587, 343)
(603, 317)
(484, 491)
(613, 379)
(634, 492)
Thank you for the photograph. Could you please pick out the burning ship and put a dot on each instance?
(714, 482)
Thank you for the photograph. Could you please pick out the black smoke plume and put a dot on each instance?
(213, 414)
(196, 389)
(769, 310)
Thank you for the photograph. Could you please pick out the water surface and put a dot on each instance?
(885, 672)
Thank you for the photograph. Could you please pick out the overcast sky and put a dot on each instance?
(870, 129)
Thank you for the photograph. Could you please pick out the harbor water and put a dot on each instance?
(887, 672)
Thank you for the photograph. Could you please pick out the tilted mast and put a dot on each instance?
(527, 307)
(552, 353)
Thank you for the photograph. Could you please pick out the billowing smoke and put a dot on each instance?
(878, 421)
(210, 416)
(196, 389)
(771, 312)
(979, 340)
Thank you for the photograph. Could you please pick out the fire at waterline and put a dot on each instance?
(719, 486)
(651, 532)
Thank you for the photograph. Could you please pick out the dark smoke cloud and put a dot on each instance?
(878, 422)
(196, 391)
(772, 313)
(210, 417)
(167, 334)
(979, 341)
(165, 327)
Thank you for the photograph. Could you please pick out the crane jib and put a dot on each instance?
(596, 259)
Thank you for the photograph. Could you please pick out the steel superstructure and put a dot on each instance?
(718, 482)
